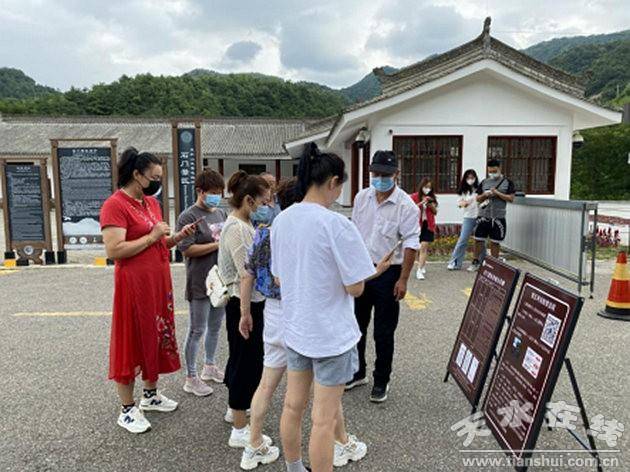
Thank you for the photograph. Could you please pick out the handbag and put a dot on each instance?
(216, 288)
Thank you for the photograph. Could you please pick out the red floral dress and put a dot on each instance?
(143, 328)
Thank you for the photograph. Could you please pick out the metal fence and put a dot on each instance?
(554, 234)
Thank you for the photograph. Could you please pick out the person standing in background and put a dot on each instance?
(493, 195)
(427, 203)
(200, 251)
(467, 201)
(272, 208)
(385, 216)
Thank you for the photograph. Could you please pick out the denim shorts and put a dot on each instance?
(328, 371)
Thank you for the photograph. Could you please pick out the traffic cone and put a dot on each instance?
(618, 303)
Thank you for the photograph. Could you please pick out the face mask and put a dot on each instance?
(212, 200)
(261, 214)
(426, 190)
(383, 184)
(470, 182)
(493, 175)
(153, 188)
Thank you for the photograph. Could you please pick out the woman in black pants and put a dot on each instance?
(250, 195)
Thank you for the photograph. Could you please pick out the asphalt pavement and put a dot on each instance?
(59, 410)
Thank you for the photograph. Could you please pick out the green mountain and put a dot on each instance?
(547, 50)
(17, 85)
(207, 95)
(366, 88)
(604, 68)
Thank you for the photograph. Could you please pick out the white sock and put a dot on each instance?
(296, 466)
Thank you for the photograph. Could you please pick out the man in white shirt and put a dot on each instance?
(387, 219)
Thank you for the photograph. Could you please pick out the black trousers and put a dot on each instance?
(379, 295)
(245, 362)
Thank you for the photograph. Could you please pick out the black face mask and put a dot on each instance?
(153, 188)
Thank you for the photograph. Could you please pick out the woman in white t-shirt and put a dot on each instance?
(467, 201)
(321, 263)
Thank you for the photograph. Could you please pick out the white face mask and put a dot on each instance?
(426, 190)
(470, 181)
(493, 175)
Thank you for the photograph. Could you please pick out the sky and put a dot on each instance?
(64, 43)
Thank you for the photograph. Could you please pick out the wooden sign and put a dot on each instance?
(84, 178)
(26, 209)
(186, 164)
(481, 326)
(527, 370)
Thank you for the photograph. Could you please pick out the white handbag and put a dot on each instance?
(217, 290)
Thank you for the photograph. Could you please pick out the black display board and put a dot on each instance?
(25, 195)
(85, 180)
(529, 364)
(481, 326)
(186, 167)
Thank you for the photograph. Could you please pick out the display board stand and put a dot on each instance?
(481, 327)
(526, 372)
(591, 447)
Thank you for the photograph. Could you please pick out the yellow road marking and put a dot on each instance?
(74, 313)
(417, 303)
(467, 291)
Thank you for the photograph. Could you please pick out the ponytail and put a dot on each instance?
(315, 168)
(131, 160)
(241, 185)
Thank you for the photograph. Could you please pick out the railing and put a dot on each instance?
(554, 235)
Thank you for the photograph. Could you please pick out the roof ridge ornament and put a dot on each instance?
(486, 34)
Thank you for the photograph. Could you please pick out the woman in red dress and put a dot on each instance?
(143, 328)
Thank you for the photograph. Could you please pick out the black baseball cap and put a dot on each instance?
(385, 162)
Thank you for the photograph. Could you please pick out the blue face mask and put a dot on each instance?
(383, 184)
(262, 214)
(212, 200)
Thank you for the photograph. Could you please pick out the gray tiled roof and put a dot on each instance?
(229, 138)
(482, 47)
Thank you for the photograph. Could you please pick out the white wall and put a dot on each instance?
(477, 107)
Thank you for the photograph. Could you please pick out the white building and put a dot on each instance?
(451, 112)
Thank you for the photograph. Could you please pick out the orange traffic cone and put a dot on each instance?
(618, 303)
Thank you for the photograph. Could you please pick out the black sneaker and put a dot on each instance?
(356, 382)
(379, 393)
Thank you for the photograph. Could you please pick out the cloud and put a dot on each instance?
(81, 42)
(242, 51)
(429, 30)
(314, 41)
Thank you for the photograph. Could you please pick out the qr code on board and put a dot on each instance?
(550, 330)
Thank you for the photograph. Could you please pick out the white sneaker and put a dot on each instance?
(451, 266)
(424, 269)
(355, 450)
(473, 268)
(229, 416)
(134, 421)
(158, 402)
(264, 454)
(197, 387)
(212, 372)
(239, 438)
(420, 274)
